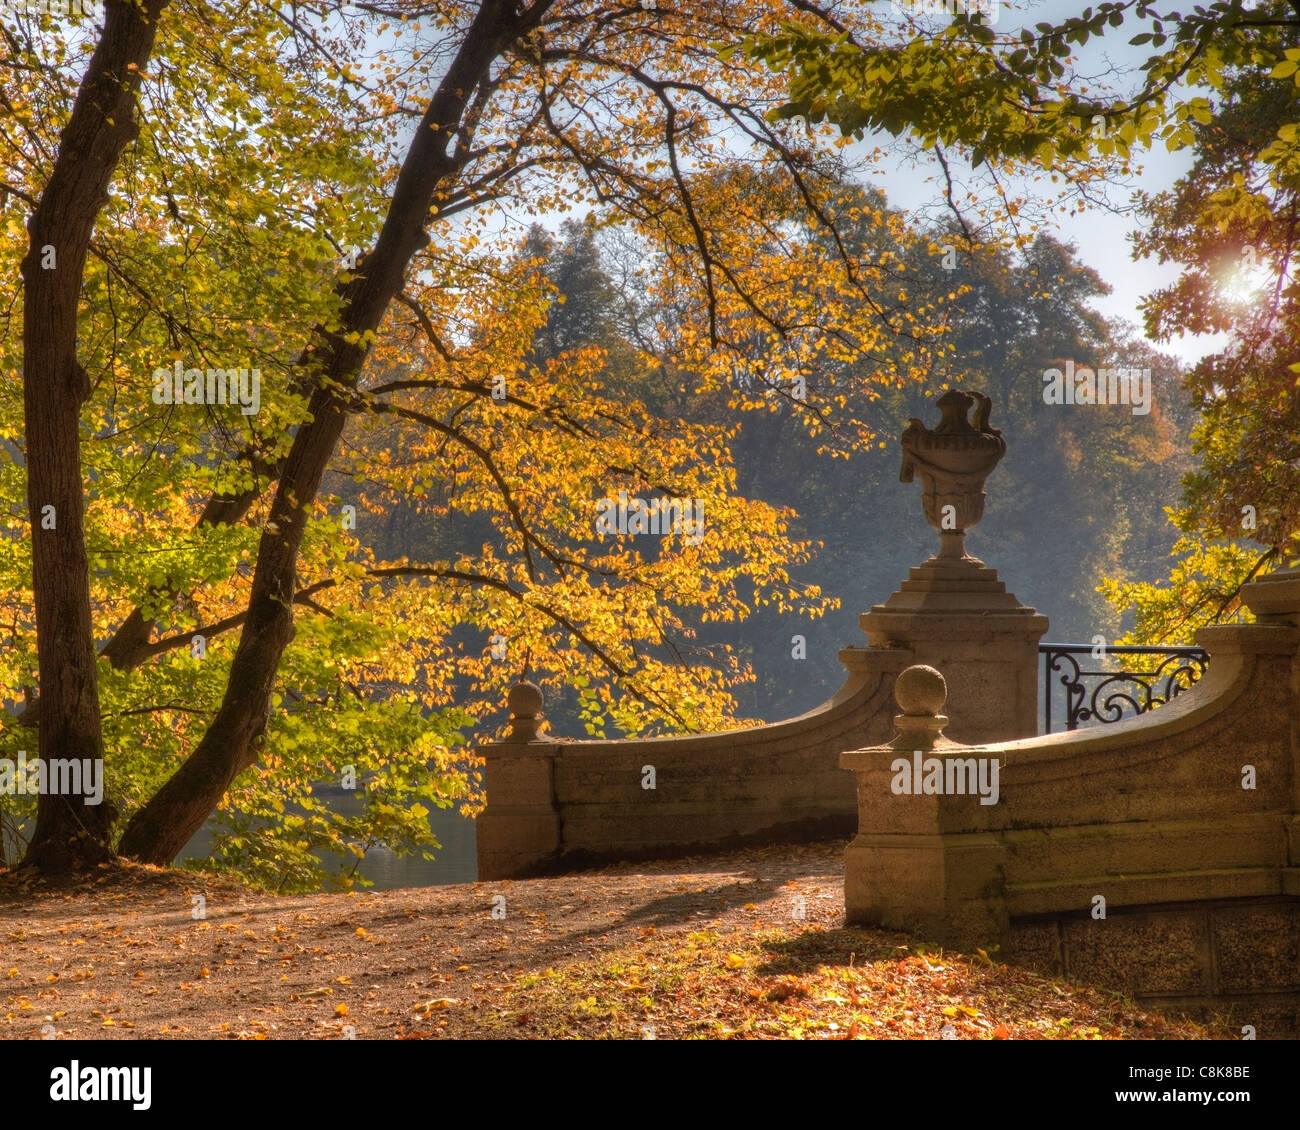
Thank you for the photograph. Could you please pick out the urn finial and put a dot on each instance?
(954, 458)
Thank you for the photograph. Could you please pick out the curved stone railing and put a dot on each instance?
(555, 804)
(1159, 854)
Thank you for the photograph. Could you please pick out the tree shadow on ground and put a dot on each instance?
(848, 946)
(673, 909)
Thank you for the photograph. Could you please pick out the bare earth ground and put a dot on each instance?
(749, 944)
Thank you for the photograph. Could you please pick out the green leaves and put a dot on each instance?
(1289, 67)
(1007, 96)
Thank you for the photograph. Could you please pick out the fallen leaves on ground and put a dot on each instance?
(749, 944)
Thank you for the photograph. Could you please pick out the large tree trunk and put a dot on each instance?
(71, 835)
(129, 646)
(158, 832)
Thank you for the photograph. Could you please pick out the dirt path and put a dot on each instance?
(749, 943)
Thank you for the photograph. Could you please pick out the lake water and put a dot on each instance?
(456, 861)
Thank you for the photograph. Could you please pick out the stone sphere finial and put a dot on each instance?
(525, 703)
(921, 692)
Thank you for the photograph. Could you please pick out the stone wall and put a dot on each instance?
(1237, 958)
(554, 804)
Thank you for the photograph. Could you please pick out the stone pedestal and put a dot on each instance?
(924, 859)
(954, 614)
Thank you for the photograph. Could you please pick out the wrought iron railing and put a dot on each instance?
(1113, 694)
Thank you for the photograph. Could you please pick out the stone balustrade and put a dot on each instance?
(1159, 855)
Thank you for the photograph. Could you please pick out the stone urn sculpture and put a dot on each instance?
(952, 612)
(953, 459)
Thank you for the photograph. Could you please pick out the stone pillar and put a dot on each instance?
(952, 612)
(1274, 599)
(924, 862)
(519, 831)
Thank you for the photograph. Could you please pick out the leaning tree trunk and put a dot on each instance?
(71, 835)
(158, 832)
